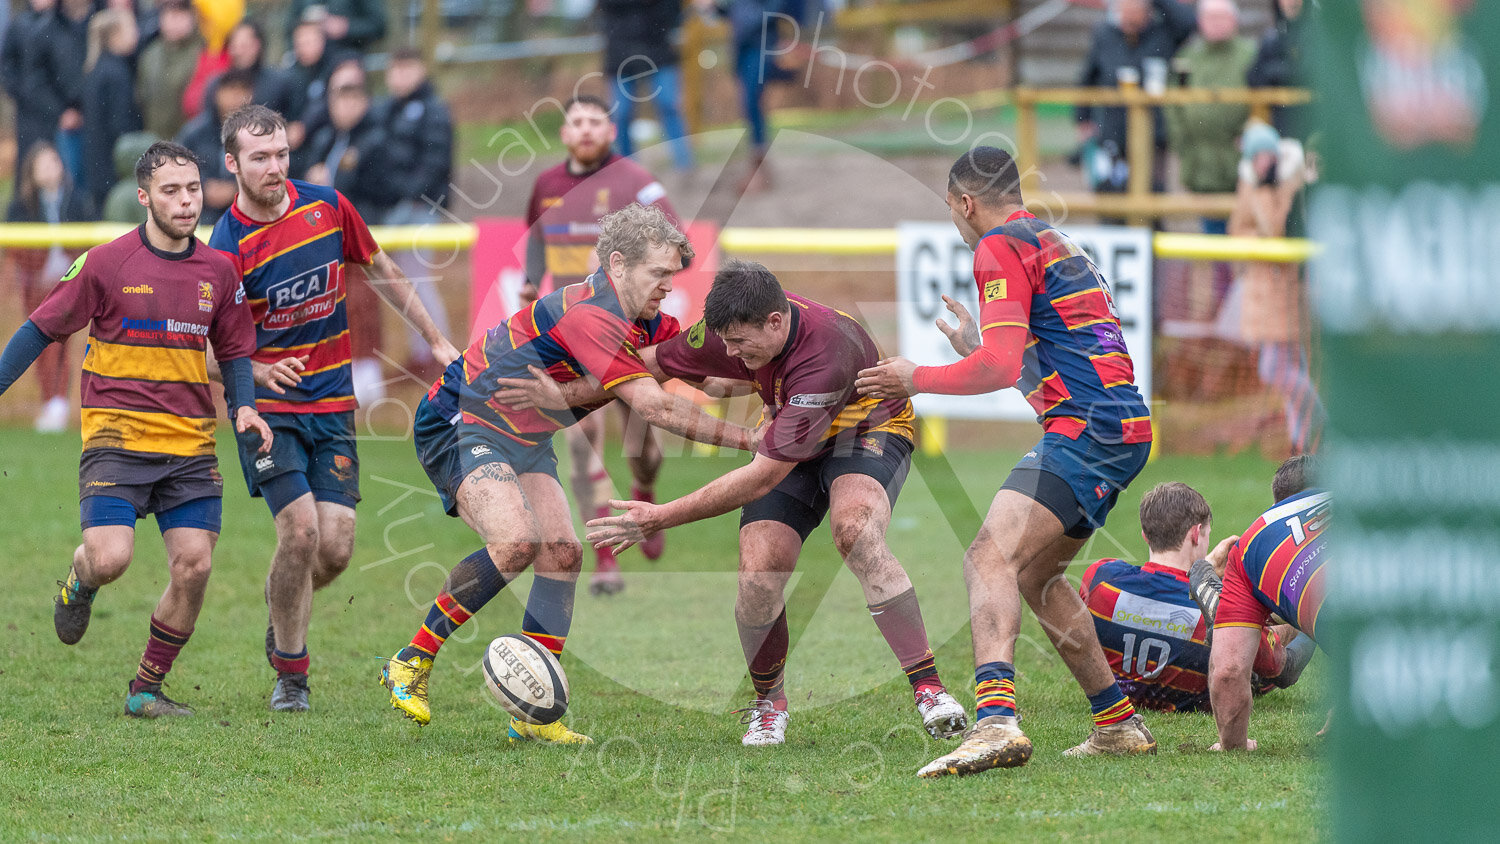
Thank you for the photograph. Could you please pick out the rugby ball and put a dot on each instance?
(526, 679)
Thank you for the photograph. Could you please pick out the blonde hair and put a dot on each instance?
(102, 27)
(634, 229)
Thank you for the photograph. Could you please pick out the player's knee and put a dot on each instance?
(190, 569)
(297, 537)
(515, 554)
(106, 562)
(334, 553)
(854, 536)
(561, 556)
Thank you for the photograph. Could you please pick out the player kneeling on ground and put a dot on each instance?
(495, 467)
(153, 300)
(825, 451)
(1155, 637)
(1275, 567)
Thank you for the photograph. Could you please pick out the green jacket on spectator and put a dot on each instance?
(162, 75)
(1204, 136)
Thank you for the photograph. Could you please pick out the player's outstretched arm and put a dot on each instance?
(239, 394)
(25, 346)
(543, 391)
(728, 492)
(680, 416)
(395, 288)
(1229, 666)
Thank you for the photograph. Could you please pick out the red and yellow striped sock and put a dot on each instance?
(1110, 706)
(994, 690)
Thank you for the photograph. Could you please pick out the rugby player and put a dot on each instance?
(290, 241)
(153, 299)
(563, 216)
(1048, 327)
(494, 467)
(1274, 567)
(1154, 635)
(825, 452)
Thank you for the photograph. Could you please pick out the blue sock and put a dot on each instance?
(994, 690)
(1110, 706)
(549, 612)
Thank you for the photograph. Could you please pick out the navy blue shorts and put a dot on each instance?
(1078, 480)
(800, 501)
(134, 484)
(449, 451)
(320, 446)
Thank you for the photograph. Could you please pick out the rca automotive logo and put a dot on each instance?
(304, 298)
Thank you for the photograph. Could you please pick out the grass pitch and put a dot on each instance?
(654, 672)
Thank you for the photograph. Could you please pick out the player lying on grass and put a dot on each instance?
(1274, 567)
(825, 452)
(153, 299)
(495, 468)
(1153, 634)
(1048, 327)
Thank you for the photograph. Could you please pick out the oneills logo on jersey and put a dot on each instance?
(994, 289)
(137, 288)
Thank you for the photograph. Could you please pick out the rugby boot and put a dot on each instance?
(766, 725)
(606, 579)
(656, 545)
(71, 608)
(993, 742)
(290, 694)
(553, 733)
(1127, 738)
(407, 681)
(152, 702)
(942, 716)
(1204, 584)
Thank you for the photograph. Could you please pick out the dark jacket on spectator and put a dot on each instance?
(366, 19)
(74, 208)
(1170, 25)
(109, 111)
(1278, 64)
(273, 89)
(42, 70)
(638, 28)
(201, 135)
(419, 139)
(363, 172)
(309, 83)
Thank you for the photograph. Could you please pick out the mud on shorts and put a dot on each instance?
(318, 447)
(118, 487)
(449, 451)
(1078, 480)
(800, 501)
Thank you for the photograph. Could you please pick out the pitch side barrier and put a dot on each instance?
(1193, 247)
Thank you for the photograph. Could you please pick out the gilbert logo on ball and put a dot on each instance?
(526, 679)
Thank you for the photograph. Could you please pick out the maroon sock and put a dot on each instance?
(162, 649)
(286, 663)
(765, 651)
(900, 622)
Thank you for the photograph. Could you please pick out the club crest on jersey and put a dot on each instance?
(303, 298)
(601, 202)
(994, 289)
(205, 296)
(312, 216)
(343, 467)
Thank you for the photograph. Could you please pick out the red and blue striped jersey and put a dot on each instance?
(1277, 566)
(1154, 635)
(571, 331)
(1075, 370)
(293, 274)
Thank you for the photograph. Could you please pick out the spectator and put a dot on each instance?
(109, 109)
(233, 91)
(166, 67)
(639, 49)
(247, 51)
(40, 71)
(353, 25)
(1137, 31)
(74, 15)
(1204, 136)
(1278, 64)
(309, 65)
(44, 194)
(419, 146)
(349, 153)
(123, 205)
(1273, 316)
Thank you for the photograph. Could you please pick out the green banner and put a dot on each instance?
(1407, 292)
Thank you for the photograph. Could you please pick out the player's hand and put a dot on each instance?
(528, 293)
(540, 390)
(284, 373)
(1218, 747)
(621, 532)
(964, 336)
(248, 422)
(444, 352)
(758, 435)
(1220, 555)
(888, 379)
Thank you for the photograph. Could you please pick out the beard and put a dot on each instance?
(268, 197)
(163, 221)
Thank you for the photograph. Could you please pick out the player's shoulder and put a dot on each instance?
(1107, 569)
(308, 192)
